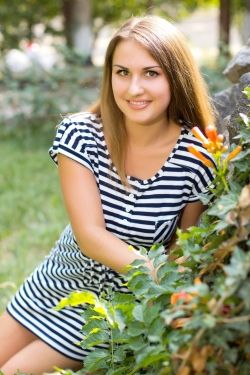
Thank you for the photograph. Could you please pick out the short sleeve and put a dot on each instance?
(74, 140)
(203, 179)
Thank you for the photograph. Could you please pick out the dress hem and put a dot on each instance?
(42, 338)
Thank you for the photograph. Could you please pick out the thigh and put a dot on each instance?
(14, 336)
(38, 358)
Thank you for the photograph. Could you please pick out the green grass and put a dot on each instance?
(31, 209)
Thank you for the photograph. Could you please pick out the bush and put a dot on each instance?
(194, 319)
(40, 95)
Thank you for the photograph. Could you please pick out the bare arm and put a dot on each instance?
(191, 214)
(83, 204)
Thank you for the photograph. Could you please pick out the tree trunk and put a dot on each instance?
(77, 24)
(224, 27)
(150, 5)
(67, 15)
(246, 23)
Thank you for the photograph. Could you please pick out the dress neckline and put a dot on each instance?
(159, 172)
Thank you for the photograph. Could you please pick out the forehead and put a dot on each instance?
(130, 52)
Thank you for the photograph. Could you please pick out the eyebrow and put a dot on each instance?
(146, 68)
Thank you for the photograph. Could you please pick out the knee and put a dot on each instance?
(9, 369)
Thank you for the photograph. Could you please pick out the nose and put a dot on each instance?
(135, 87)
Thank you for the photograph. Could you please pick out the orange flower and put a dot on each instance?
(234, 153)
(200, 156)
(179, 322)
(213, 142)
(211, 133)
(198, 134)
(175, 297)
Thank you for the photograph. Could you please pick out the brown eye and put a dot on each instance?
(151, 73)
(122, 72)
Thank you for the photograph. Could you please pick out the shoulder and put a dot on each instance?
(82, 121)
(78, 136)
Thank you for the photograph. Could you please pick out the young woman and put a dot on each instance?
(127, 179)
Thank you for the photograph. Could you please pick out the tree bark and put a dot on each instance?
(67, 17)
(246, 23)
(78, 26)
(150, 5)
(224, 26)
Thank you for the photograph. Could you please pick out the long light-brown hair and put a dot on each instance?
(189, 96)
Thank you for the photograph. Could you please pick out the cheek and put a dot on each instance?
(118, 86)
(166, 94)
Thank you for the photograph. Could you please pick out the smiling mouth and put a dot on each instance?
(138, 104)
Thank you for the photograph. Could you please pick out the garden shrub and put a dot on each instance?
(194, 319)
(41, 95)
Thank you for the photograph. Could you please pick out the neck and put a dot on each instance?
(149, 135)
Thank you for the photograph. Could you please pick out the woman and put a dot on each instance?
(127, 179)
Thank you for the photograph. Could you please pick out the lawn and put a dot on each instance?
(32, 213)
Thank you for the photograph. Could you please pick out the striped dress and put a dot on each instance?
(143, 214)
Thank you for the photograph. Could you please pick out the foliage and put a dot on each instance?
(212, 73)
(17, 25)
(194, 317)
(42, 95)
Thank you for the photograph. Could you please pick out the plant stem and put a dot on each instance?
(235, 320)
(112, 348)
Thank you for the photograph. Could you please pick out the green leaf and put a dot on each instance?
(243, 327)
(122, 299)
(238, 268)
(166, 269)
(160, 260)
(77, 298)
(93, 325)
(137, 343)
(136, 329)
(151, 355)
(246, 91)
(170, 279)
(139, 284)
(120, 318)
(121, 371)
(120, 354)
(156, 290)
(208, 321)
(138, 313)
(244, 293)
(156, 251)
(223, 205)
(97, 359)
(151, 313)
(138, 262)
(155, 329)
(95, 338)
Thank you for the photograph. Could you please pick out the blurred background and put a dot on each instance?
(51, 56)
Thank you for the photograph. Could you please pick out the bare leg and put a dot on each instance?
(38, 358)
(13, 337)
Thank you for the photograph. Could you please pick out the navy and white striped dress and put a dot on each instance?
(144, 214)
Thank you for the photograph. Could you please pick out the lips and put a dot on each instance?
(138, 104)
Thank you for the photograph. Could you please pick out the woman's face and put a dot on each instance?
(140, 87)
